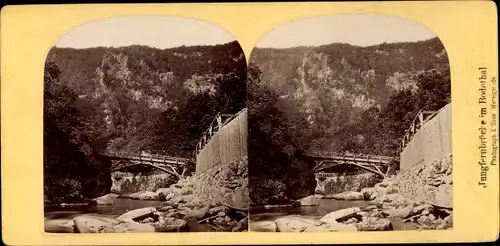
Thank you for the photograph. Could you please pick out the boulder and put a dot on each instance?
(446, 223)
(379, 214)
(138, 214)
(308, 201)
(443, 196)
(108, 199)
(217, 209)
(170, 224)
(144, 195)
(340, 215)
(402, 212)
(91, 224)
(60, 225)
(296, 224)
(241, 226)
(421, 208)
(128, 227)
(375, 224)
(349, 195)
(302, 224)
(198, 214)
(269, 226)
(369, 193)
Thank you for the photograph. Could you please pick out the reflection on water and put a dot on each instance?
(325, 206)
(56, 217)
(119, 207)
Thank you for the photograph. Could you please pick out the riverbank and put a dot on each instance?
(418, 198)
(215, 200)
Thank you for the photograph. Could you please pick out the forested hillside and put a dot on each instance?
(131, 99)
(335, 98)
(343, 91)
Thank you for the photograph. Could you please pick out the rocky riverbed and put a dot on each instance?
(420, 196)
(216, 198)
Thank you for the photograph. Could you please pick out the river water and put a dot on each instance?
(57, 216)
(261, 218)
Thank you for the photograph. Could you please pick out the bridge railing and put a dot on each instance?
(418, 122)
(351, 157)
(152, 158)
(217, 123)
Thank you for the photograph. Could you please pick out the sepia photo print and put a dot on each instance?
(349, 126)
(145, 128)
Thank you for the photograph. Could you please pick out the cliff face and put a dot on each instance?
(129, 90)
(336, 98)
(331, 86)
(130, 100)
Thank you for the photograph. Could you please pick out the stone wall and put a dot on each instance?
(126, 183)
(333, 183)
(222, 185)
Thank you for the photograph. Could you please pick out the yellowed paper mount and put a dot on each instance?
(272, 123)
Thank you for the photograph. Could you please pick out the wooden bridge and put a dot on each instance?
(176, 166)
(380, 165)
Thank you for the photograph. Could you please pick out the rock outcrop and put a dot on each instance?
(218, 197)
(422, 194)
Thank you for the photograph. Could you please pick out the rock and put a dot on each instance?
(186, 198)
(138, 214)
(170, 224)
(340, 215)
(144, 195)
(278, 205)
(165, 208)
(269, 226)
(379, 214)
(108, 199)
(371, 207)
(318, 196)
(147, 220)
(443, 196)
(301, 224)
(91, 224)
(242, 225)
(402, 212)
(198, 214)
(60, 225)
(308, 201)
(217, 209)
(375, 224)
(446, 223)
(432, 217)
(424, 220)
(369, 193)
(421, 208)
(349, 195)
(186, 192)
(295, 224)
(351, 221)
(128, 227)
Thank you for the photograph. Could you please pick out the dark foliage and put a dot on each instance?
(131, 99)
(294, 105)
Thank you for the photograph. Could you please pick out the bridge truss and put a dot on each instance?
(176, 166)
(375, 164)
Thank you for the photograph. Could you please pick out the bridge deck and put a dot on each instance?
(168, 164)
(370, 163)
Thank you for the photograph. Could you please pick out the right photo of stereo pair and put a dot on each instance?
(349, 127)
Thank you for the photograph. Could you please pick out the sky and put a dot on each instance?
(355, 29)
(154, 31)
